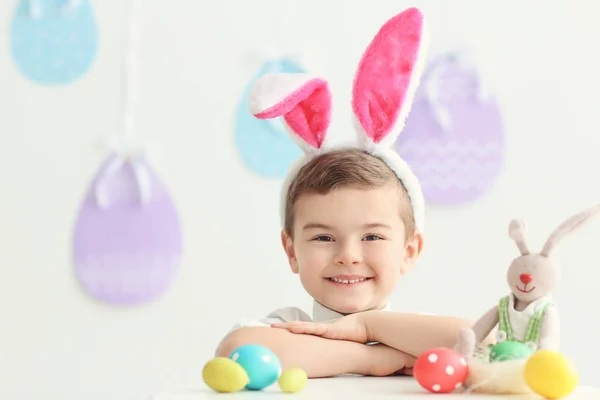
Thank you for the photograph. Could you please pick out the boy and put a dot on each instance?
(350, 235)
(352, 220)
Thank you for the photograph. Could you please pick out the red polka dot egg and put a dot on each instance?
(440, 370)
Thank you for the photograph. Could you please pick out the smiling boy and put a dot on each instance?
(349, 231)
(350, 236)
(352, 220)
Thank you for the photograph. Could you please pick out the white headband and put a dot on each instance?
(383, 90)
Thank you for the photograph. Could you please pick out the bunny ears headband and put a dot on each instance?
(384, 87)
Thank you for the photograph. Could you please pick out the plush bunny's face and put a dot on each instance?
(532, 276)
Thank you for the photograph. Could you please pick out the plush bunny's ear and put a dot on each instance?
(573, 223)
(517, 232)
(303, 100)
(387, 78)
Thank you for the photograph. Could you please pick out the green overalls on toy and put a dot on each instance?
(511, 348)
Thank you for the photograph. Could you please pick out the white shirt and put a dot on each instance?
(519, 319)
(289, 314)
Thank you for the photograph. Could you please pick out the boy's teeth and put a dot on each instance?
(337, 280)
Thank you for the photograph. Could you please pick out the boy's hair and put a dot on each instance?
(345, 168)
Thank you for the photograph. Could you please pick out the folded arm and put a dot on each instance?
(484, 326)
(413, 333)
(318, 356)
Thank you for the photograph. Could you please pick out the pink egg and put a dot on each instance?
(440, 370)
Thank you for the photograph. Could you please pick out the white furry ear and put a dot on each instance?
(517, 232)
(304, 102)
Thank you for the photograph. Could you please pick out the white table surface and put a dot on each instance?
(351, 387)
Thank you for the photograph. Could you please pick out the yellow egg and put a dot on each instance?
(292, 380)
(224, 375)
(550, 374)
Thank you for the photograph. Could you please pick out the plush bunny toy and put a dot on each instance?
(526, 316)
(383, 90)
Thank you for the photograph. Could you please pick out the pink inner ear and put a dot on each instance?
(307, 111)
(385, 72)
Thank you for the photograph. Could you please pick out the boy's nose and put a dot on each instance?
(348, 261)
(348, 256)
(344, 259)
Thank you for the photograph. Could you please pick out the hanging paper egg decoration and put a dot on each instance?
(454, 134)
(54, 42)
(127, 240)
(264, 145)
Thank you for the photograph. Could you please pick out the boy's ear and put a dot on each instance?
(414, 246)
(288, 247)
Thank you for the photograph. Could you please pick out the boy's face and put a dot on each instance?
(350, 247)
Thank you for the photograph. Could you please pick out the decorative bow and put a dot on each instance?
(137, 156)
(433, 80)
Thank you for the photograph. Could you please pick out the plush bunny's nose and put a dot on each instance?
(526, 278)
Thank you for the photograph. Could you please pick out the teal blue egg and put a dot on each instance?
(264, 145)
(261, 364)
(56, 44)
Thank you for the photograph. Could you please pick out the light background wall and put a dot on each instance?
(197, 58)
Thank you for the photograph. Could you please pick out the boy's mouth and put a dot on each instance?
(348, 280)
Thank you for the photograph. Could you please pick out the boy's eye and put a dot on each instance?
(323, 238)
(372, 237)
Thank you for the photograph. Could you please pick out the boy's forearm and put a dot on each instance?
(317, 356)
(413, 333)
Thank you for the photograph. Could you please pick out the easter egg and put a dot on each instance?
(264, 145)
(510, 350)
(453, 139)
(127, 246)
(54, 42)
(261, 364)
(224, 375)
(551, 374)
(292, 380)
(440, 370)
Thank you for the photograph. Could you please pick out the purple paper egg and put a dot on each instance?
(127, 239)
(453, 138)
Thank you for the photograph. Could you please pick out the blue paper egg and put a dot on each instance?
(264, 145)
(56, 44)
(261, 364)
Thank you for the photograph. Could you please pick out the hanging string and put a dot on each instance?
(280, 27)
(451, 52)
(131, 68)
(279, 35)
(126, 148)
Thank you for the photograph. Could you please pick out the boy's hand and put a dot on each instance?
(385, 361)
(350, 327)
